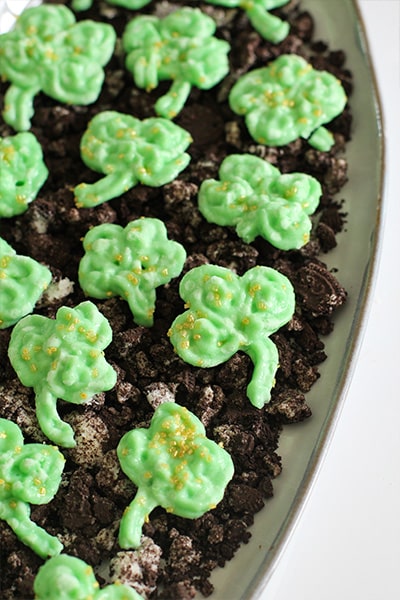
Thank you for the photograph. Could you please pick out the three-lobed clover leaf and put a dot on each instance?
(180, 47)
(174, 465)
(253, 196)
(269, 26)
(49, 51)
(226, 313)
(22, 172)
(62, 358)
(29, 474)
(22, 281)
(128, 151)
(65, 577)
(288, 99)
(132, 4)
(130, 262)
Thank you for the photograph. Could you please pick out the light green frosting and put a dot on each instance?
(175, 466)
(29, 474)
(253, 196)
(22, 281)
(133, 4)
(226, 313)
(270, 27)
(67, 577)
(48, 51)
(180, 47)
(22, 172)
(128, 151)
(130, 263)
(288, 99)
(62, 358)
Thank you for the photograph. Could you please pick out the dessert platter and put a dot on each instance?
(189, 212)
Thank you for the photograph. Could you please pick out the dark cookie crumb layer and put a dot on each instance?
(177, 555)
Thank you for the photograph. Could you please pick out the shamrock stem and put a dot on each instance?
(29, 532)
(135, 515)
(321, 139)
(49, 420)
(172, 102)
(111, 186)
(18, 107)
(272, 28)
(265, 357)
(142, 304)
(81, 4)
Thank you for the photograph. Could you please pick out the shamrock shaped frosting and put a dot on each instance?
(29, 474)
(133, 4)
(288, 99)
(22, 172)
(65, 577)
(128, 151)
(130, 263)
(180, 47)
(175, 466)
(256, 198)
(62, 358)
(48, 51)
(227, 313)
(22, 281)
(271, 28)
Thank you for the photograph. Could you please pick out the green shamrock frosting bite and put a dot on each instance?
(174, 465)
(130, 262)
(253, 196)
(29, 474)
(133, 4)
(226, 313)
(49, 51)
(270, 27)
(22, 172)
(288, 99)
(179, 47)
(62, 358)
(65, 577)
(129, 151)
(22, 281)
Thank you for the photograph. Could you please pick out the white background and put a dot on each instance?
(346, 545)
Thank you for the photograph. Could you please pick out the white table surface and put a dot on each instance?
(346, 544)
